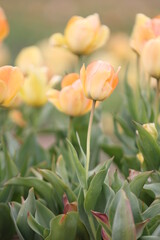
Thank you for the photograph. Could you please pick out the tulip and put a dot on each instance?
(99, 80)
(35, 87)
(151, 58)
(71, 99)
(82, 35)
(144, 29)
(29, 58)
(11, 80)
(4, 28)
(17, 117)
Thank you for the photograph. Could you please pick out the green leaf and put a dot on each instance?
(6, 223)
(63, 227)
(140, 227)
(61, 169)
(27, 206)
(80, 170)
(154, 187)
(152, 211)
(58, 184)
(95, 188)
(150, 238)
(123, 229)
(35, 226)
(43, 188)
(43, 215)
(138, 182)
(149, 148)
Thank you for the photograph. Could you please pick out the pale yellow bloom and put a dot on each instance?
(4, 27)
(99, 80)
(82, 35)
(151, 58)
(35, 87)
(29, 58)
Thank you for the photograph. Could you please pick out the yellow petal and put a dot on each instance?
(3, 91)
(53, 97)
(57, 39)
(69, 79)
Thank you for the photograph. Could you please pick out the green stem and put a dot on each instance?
(69, 128)
(89, 138)
(157, 100)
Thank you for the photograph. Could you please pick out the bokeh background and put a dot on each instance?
(33, 20)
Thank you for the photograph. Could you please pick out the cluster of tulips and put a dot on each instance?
(67, 189)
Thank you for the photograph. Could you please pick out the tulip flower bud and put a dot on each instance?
(82, 35)
(4, 28)
(99, 80)
(71, 99)
(151, 58)
(151, 129)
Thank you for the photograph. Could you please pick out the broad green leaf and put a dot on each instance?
(80, 171)
(63, 227)
(149, 148)
(61, 169)
(116, 182)
(95, 188)
(150, 238)
(152, 211)
(138, 182)
(140, 227)
(58, 184)
(43, 188)
(154, 187)
(35, 226)
(6, 223)
(27, 206)
(123, 229)
(14, 207)
(43, 215)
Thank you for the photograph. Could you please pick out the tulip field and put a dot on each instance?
(80, 133)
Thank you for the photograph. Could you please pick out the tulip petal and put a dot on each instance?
(4, 29)
(69, 79)
(94, 21)
(57, 39)
(53, 97)
(100, 39)
(3, 91)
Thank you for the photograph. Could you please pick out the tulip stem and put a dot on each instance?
(157, 100)
(89, 138)
(69, 128)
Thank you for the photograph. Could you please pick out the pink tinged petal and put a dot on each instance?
(83, 79)
(104, 235)
(94, 21)
(101, 216)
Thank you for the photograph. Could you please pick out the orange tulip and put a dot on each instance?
(11, 80)
(71, 99)
(82, 35)
(144, 29)
(99, 80)
(4, 28)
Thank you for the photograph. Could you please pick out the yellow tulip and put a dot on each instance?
(151, 58)
(99, 80)
(29, 58)
(11, 80)
(35, 87)
(82, 35)
(4, 28)
(71, 99)
(144, 29)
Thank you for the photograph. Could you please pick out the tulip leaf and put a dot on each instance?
(80, 171)
(58, 184)
(152, 211)
(61, 169)
(140, 227)
(6, 223)
(27, 206)
(154, 187)
(63, 226)
(138, 182)
(149, 148)
(95, 187)
(43, 188)
(35, 226)
(150, 238)
(123, 229)
(43, 215)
